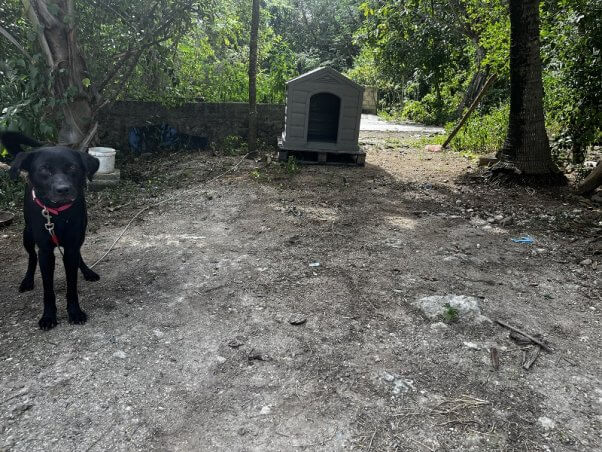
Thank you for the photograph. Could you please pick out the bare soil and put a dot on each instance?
(190, 346)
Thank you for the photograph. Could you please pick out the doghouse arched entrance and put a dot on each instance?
(323, 122)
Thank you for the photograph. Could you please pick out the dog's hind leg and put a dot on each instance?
(89, 274)
(30, 247)
(72, 261)
(46, 256)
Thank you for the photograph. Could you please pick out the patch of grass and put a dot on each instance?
(482, 134)
(450, 314)
(291, 166)
(233, 145)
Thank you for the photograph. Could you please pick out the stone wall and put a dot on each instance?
(214, 121)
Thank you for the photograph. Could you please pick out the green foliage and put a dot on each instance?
(482, 134)
(233, 145)
(450, 314)
(291, 166)
(571, 46)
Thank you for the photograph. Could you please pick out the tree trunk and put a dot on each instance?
(526, 148)
(253, 80)
(56, 34)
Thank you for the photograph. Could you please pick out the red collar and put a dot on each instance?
(52, 210)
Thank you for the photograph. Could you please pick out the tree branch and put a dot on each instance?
(13, 41)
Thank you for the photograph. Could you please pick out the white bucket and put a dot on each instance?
(106, 157)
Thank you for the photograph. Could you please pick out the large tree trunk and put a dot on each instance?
(56, 33)
(526, 149)
(253, 79)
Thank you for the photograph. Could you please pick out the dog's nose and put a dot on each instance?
(62, 189)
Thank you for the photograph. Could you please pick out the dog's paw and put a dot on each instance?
(26, 285)
(47, 322)
(90, 275)
(77, 317)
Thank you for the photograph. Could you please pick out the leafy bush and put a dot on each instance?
(482, 134)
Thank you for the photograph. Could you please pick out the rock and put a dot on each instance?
(297, 319)
(119, 354)
(220, 359)
(237, 341)
(433, 148)
(585, 262)
(266, 409)
(546, 423)
(506, 221)
(388, 377)
(257, 355)
(439, 326)
(498, 218)
(472, 345)
(436, 306)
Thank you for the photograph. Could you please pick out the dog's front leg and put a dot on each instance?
(71, 260)
(46, 259)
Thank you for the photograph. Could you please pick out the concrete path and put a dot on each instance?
(373, 123)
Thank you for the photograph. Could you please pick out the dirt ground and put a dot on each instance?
(190, 345)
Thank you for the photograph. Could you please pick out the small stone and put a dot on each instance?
(297, 319)
(237, 341)
(220, 359)
(472, 345)
(119, 354)
(388, 377)
(439, 326)
(257, 355)
(506, 221)
(498, 217)
(546, 423)
(266, 410)
(242, 431)
(586, 262)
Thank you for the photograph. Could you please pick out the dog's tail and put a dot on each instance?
(12, 141)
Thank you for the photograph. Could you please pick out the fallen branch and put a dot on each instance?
(592, 181)
(488, 83)
(531, 338)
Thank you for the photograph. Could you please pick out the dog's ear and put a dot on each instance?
(89, 163)
(22, 162)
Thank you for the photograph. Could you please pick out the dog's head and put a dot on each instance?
(57, 173)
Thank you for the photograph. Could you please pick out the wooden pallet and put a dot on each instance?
(323, 157)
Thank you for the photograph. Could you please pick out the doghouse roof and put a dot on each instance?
(324, 75)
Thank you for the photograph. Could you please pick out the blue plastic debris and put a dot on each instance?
(526, 239)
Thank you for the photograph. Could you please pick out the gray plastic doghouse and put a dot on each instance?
(322, 118)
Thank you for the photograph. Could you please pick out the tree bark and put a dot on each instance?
(57, 37)
(252, 138)
(526, 147)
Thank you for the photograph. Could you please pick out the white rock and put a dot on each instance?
(266, 410)
(546, 423)
(435, 306)
(119, 354)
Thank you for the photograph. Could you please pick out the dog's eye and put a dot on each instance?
(45, 170)
(72, 168)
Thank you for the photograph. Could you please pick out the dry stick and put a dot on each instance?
(150, 206)
(474, 104)
(531, 338)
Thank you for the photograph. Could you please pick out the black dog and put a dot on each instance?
(12, 141)
(55, 215)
